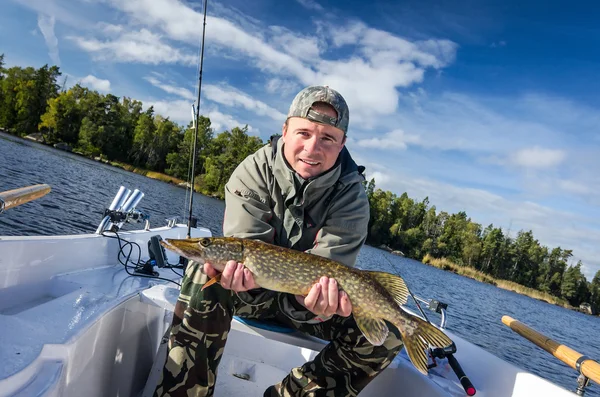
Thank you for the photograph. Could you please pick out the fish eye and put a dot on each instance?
(205, 242)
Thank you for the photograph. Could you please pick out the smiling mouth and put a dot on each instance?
(313, 163)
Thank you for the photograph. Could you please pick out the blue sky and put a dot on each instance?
(487, 107)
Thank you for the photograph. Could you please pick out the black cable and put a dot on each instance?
(173, 270)
(136, 265)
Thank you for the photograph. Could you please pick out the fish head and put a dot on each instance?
(215, 250)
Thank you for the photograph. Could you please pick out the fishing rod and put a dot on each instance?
(446, 352)
(197, 117)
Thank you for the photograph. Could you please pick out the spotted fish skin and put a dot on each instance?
(375, 296)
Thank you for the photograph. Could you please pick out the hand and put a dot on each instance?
(234, 277)
(325, 299)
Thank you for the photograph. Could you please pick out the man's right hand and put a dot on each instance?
(234, 277)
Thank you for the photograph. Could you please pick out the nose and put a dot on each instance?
(312, 145)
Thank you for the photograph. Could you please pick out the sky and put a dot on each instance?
(488, 107)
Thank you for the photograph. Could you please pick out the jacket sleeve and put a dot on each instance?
(345, 229)
(247, 213)
(248, 203)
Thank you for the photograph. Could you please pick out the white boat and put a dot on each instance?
(75, 322)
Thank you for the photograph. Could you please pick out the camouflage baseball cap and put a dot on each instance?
(302, 106)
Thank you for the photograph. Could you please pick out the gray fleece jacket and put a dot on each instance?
(327, 215)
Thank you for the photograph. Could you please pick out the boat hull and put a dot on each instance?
(75, 323)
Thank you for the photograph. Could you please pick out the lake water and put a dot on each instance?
(82, 188)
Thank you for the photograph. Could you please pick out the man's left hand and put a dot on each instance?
(325, 299)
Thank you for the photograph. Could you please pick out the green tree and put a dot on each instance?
(451, 241)
(166, 138)
(471, 244)
(2, 71)
(33, 94)
(62, 120)
(595, 293)
(227, 151)
(574, 285)
(178, 161)
(143, 137)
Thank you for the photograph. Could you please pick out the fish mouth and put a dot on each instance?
(187, 248)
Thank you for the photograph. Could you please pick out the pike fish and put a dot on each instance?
(375, 296)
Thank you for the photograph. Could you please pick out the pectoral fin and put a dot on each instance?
(374, 329)
(393, 284)
(210, 282)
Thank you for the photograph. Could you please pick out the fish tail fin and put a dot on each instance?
(420, 339)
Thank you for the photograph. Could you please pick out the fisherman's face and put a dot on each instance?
(312, 148)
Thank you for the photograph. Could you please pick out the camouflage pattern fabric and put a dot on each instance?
(302, 103)
(202, 321)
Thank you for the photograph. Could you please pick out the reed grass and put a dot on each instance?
(467, 271)
(150, 174)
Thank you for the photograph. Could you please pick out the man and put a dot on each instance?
(303, 191)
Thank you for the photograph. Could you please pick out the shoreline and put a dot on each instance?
(117, 164)
(440, 263)
(474, 274)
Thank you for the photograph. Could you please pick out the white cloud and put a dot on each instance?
(95, 83)
(224, 95)
(141, 46)
(311, 5)
(180, 111)
(171, 89)
(229, 96)
(537, 157)
(46, 26)
(369, 79)
(221, 121)
(396, 139)
(295, 44)
(282, 87)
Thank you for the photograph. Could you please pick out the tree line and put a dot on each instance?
(119, 129)
(416, 229)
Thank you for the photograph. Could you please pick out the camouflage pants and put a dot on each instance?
(202, 321)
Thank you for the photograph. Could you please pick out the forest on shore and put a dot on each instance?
(121, 130)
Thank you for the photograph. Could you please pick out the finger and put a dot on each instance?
(227, 276)
(333, 297)
(237, 284)
(313, 295)
(345, 307)
(323, 301)
(249, 282)
(209, 270)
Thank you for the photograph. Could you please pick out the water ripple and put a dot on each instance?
(81, 189)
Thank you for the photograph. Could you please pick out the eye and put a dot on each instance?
(205, 242)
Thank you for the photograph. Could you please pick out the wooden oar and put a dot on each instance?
(12, 198)
(588, 367)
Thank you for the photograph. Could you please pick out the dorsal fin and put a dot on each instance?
(393, 284)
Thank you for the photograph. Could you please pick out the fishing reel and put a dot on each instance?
(448, 353)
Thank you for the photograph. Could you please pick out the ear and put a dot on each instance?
(284, 129)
